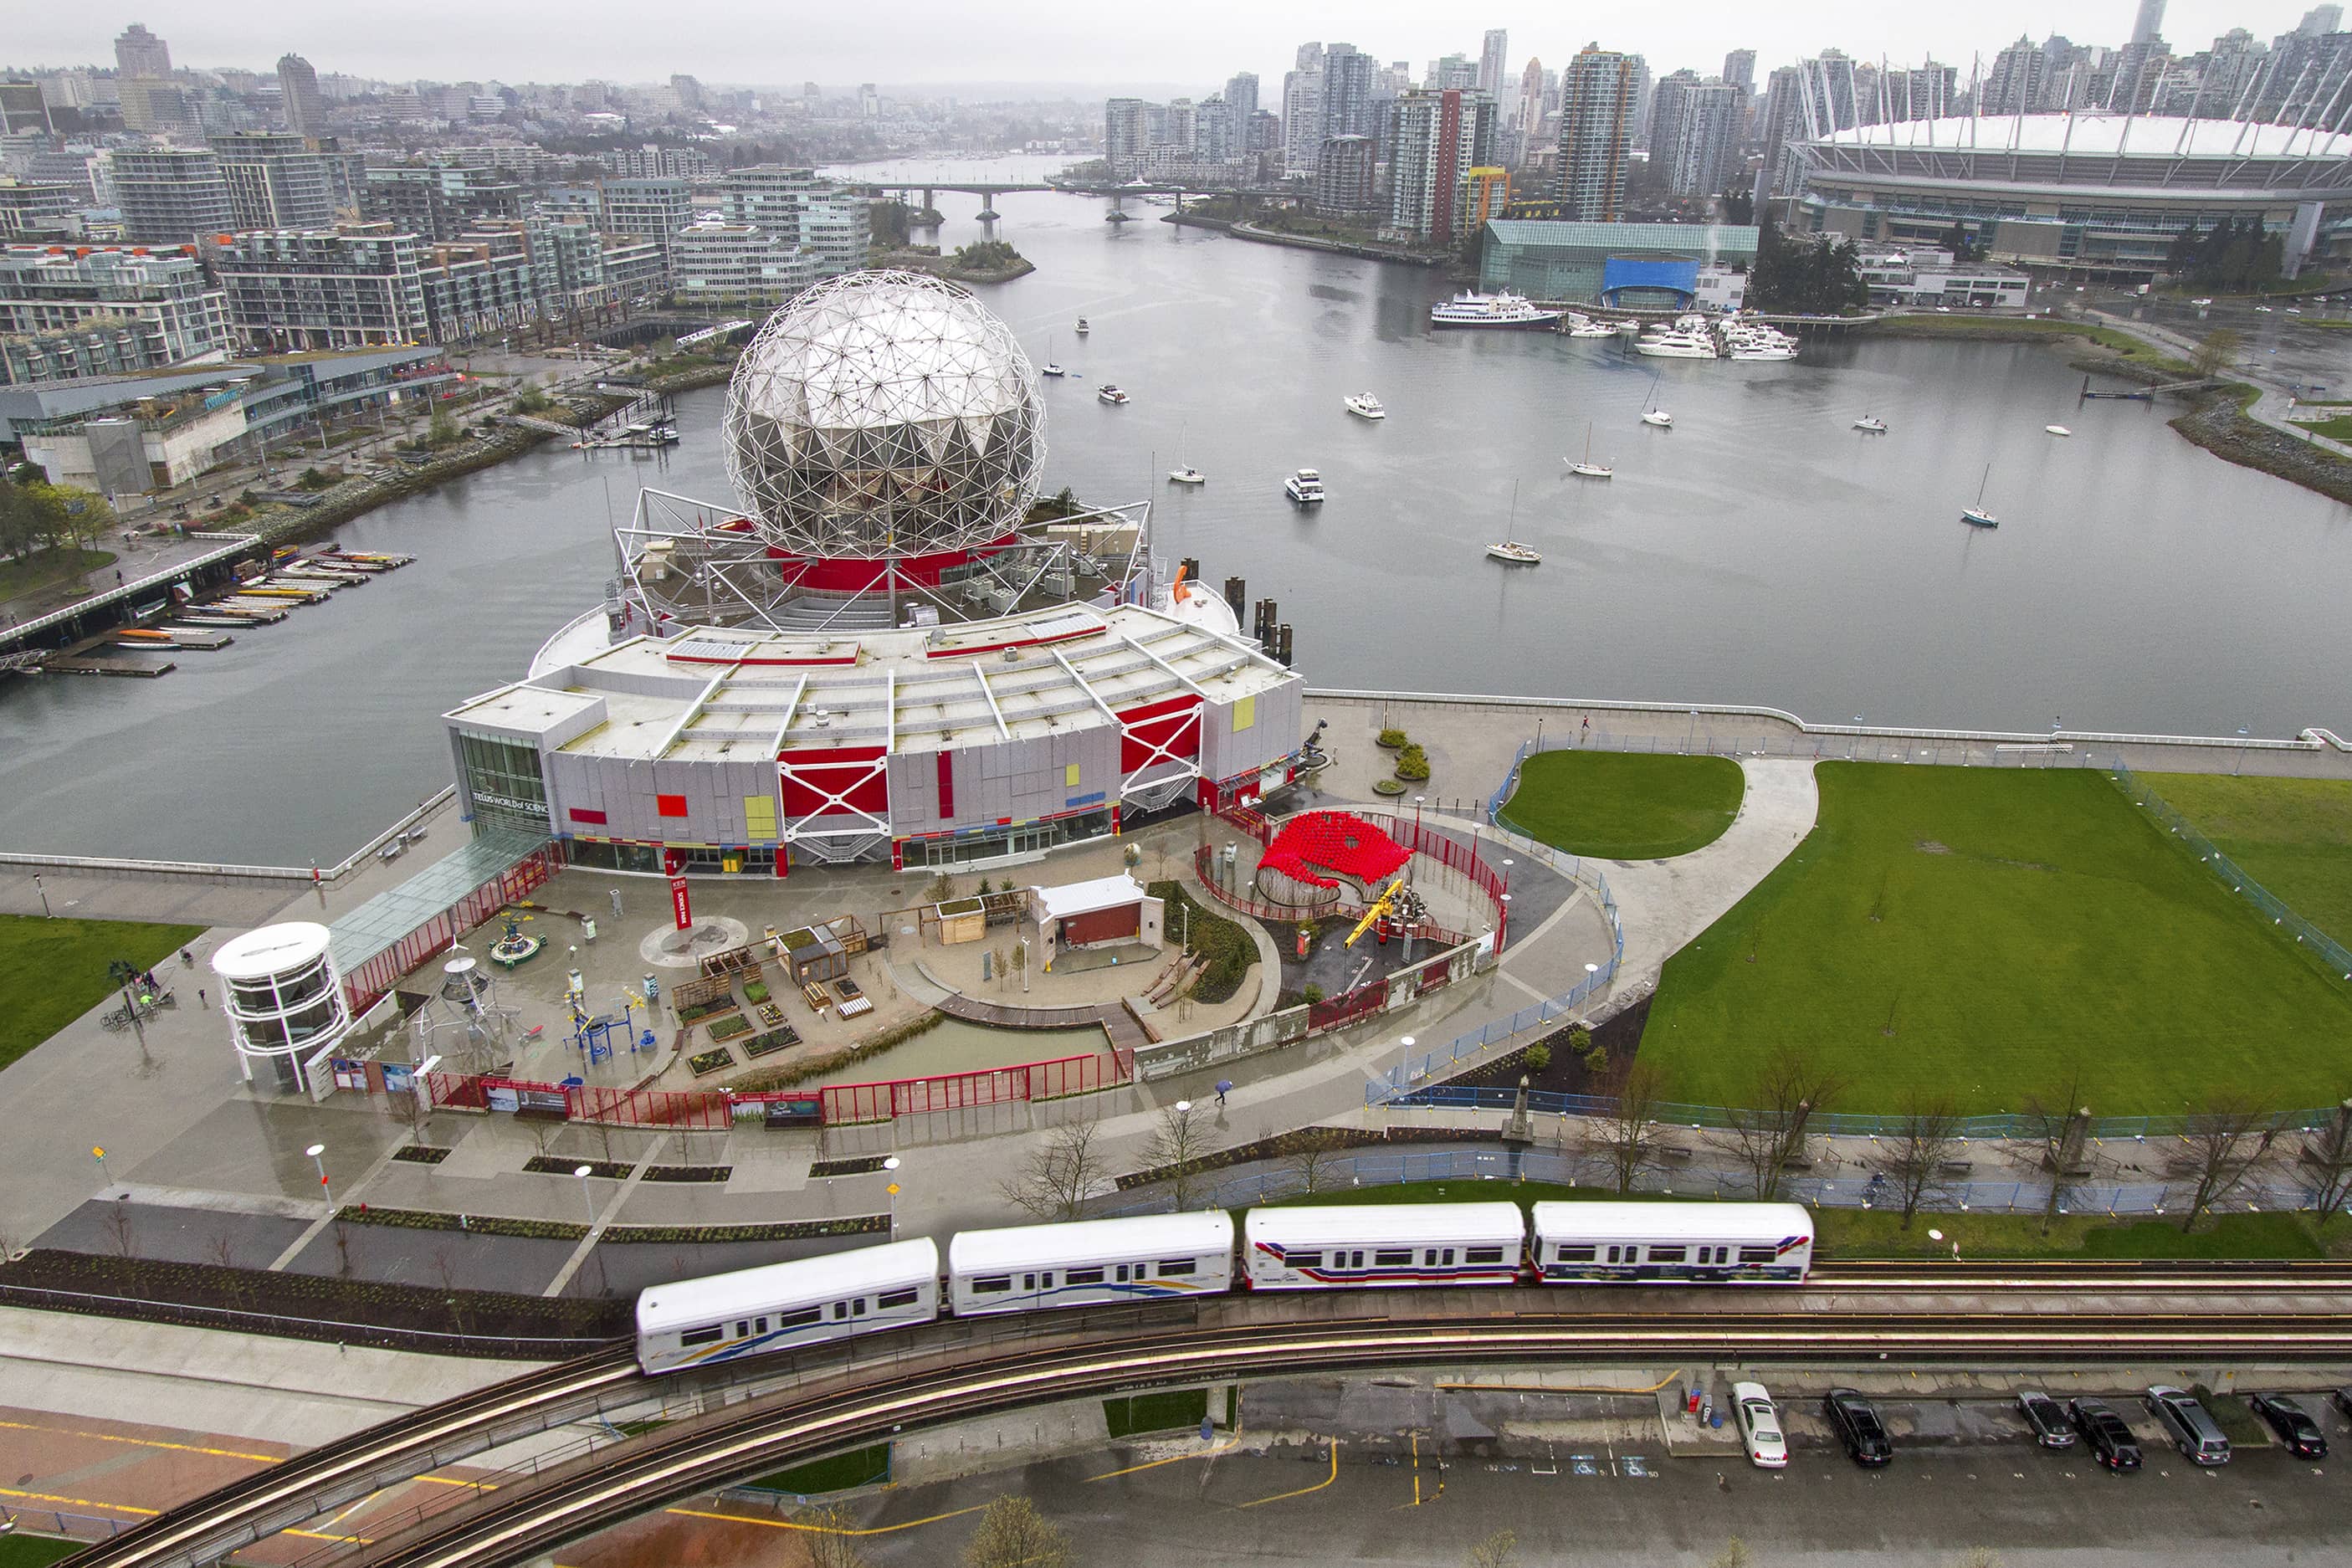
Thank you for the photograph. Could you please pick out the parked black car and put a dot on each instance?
(2111, 1441)
(2047, 1418)
(2344, 1400)
(2295, 1428)
(1855, 1421)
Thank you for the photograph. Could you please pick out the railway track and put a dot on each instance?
(796, 1405)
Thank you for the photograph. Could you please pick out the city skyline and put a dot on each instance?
(1045, 50)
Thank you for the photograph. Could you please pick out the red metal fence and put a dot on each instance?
(367, 985)
(695, 1111)
(848, 1102)
(1454, 855)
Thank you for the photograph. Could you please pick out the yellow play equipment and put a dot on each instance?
(1381, 906)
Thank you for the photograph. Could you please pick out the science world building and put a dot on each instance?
(888, 652)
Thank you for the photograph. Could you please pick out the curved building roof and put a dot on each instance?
(2094, 136)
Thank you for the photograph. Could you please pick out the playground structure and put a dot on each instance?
(514, 945)
(1303, 866)
(462, 1023)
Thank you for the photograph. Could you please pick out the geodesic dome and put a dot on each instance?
(885, 414)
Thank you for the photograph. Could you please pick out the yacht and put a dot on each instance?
(1872, 423)
(1767, 351)
(1364, 406)
(1588, 469)
(1515, 554)
(1305, 487)
(1109, 394)
(1187, 475)
(1592, 330)
(1082, 328)
(1503, 309)
(2058, 430)
(1675, 343)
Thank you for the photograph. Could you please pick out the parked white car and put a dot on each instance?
(1760, 1426)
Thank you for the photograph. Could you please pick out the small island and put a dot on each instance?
(981, 261)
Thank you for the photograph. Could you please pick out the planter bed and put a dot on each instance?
(477, 1225)
(773, 1040)
(688, 1173)
(781, 1230)
(729, 1027)
(859, 1166)
(702, 1010)
(772, 1015)
(314, 1306)
(555, 1165)
(704, 1062)
(755, 990)
(420, 1154)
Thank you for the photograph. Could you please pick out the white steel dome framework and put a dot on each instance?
(885, 415)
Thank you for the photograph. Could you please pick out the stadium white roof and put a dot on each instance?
(2097, 135)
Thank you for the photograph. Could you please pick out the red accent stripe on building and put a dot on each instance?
(581, 813)
(947, 785)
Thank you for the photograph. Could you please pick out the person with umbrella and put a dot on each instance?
(1224, 1085)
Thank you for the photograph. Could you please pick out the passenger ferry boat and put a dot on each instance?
(1503, 309)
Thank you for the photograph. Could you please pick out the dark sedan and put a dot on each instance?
(2047, 1418)
(2295, 1428)
(2111, 1441)
(1855, 1421)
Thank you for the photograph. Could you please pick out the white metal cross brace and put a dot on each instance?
(1164, 750)
(834, 799)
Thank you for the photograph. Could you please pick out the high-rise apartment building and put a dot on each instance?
(656, 209)
(1528, 121)
(1596, 131)
(1347, 103)
(1693, 133)
(1739, 70)
(2017, 82)
(1454, 72)
(276, 180)
(2148, 22)
(1241, 96)
(2319, 21)
(1493, 62)
(1779, 127)
(64, 314)
(140, 53)
(1126, 135)
(298, 85)
(1438, 138)
(1344, 185)
(360, 288)
(1302, 111)
(169, 196)
(1826, 93)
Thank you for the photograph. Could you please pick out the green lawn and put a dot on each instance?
(21, 1551)
(2336, 429)
(1626, 805)
(57, 971)
(44, 567)
(1877, 1233)
(1167, 1410)
(1974, 931)
(2293, 836)
(833, 1473)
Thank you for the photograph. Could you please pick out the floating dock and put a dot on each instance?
(82, 664)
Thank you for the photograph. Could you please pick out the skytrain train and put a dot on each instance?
(1038, 1268)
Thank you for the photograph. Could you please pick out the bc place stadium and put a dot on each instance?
(2098, 191)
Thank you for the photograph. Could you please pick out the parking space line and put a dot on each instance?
(1302, 1491)
(141, 1442)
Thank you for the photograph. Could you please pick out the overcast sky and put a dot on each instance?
(1194, 44)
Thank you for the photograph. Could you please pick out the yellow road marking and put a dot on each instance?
(822, 1529)
(1171, 1460)
(1302, 1491)
(141, 1442)
(79, 1502)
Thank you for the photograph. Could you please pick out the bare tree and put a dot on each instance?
(1625, 1141)
(1496, 1551)
(1184, 1137)
(1058, 1175)
(2226, 1139)
(2055, 1137)
(1770, 1133)
(1924, 1136)
(2329, 1154)
(2215, 352)
(120, 1225)
(827, 1534)
(1318, 1146)
(1014, 1534)
(1735, 1554)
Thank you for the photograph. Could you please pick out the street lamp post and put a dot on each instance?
(316, 1152)
(2239, 767)
(1404, 1065)
(890, 1163)
(587, 1198)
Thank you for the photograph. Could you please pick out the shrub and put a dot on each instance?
(1596, 1061)
(1540, 1055)
(1391, 739)
(1228, 948)
(1413, 764)
(1311, 993)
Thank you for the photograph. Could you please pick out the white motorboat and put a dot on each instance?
(1511, 551)
(1975, 515)
(1364, 406)
(1592, 330)
(1187, 475)
(2058, 430)
(1872, 423)
(1082, 328)
(1675, 343)
(1588, 469)
(1770, 353)
(1110, 394)
(1305, 487)
(1501, 310)
(1659, 418)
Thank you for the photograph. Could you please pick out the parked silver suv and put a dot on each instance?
(2185, 1421)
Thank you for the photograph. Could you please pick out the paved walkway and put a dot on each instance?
(2274, 407)
(1666, 903)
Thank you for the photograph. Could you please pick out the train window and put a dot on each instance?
(992, 1285)
(800, 1320)
(1122, 1275)
(1723, 1254)
(1567, 1254)
(1482, 1255)
(1393, 1258)
(710, 1336)
(857, 1308)
(1757, 1255)
(1356, 1260)
(840, 1310)
(1086, 1277)
(742, 1330)
(899, 1299)
(1668, 1254)
(1169, 1266)
(758, 1325)
(1296, 1260)
(1029, 1282)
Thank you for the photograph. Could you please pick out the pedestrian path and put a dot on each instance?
(1667, 903)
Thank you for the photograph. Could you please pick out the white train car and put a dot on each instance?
(1345, 1244)
(781, 1306)
(1141, 1259)
(1692, 1242)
